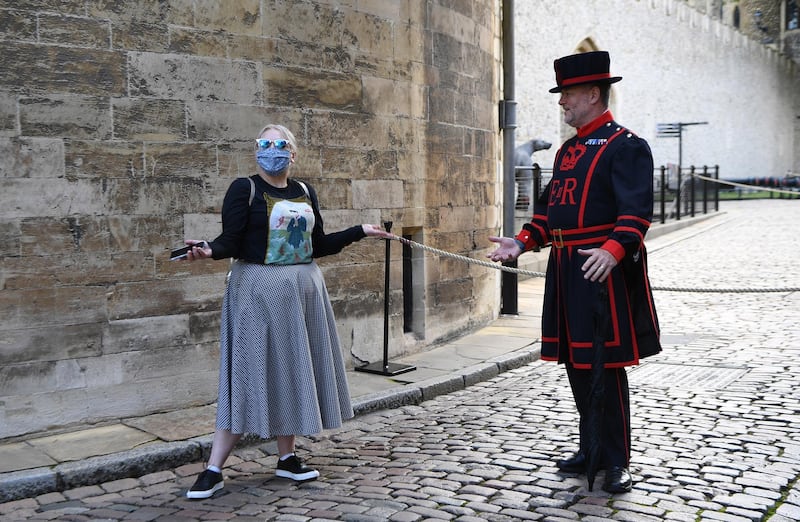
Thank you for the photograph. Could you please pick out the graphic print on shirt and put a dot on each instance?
(290, 224)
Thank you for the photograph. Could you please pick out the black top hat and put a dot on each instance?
(577, 69)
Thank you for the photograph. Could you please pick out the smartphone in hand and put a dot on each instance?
(180, 253)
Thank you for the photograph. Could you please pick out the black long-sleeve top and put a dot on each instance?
(244, 225)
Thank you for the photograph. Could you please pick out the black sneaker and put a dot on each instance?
(293, 468)
(206, 484)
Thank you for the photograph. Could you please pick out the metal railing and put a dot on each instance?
(676, 192)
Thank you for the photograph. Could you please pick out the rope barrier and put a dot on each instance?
(496, 266)
(742, 185)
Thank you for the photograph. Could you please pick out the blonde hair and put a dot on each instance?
(286, 133)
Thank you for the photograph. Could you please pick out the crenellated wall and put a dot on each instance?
(678, 65)
(123, 123)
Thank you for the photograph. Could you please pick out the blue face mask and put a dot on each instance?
(274, 161)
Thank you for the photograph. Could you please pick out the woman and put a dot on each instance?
(281, 369)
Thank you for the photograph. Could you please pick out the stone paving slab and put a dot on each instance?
(21, 455)
(66, 447)
(177, 425)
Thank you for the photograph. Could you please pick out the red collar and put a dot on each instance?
(595, 124)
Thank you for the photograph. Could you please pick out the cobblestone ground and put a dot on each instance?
(715, 434)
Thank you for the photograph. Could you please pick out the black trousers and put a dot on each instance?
(616, 434)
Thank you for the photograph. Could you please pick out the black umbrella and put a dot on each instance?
(594, 424)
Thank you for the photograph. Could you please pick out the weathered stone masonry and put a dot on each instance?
(123, 123)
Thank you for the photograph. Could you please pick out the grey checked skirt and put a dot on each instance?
(281, 367)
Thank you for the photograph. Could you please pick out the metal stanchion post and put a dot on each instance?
(385, 367)
(663, 194)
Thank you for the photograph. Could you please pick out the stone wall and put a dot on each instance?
(678, 65)
(123, 123)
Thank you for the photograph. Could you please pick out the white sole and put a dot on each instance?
(205, 494)
(299, 477)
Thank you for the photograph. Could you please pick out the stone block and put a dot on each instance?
(333, 194)
(79, 117)
(131, 463)
(27, 484)
(441, 385)
(41, 377)
(312, 88)
(235, 160)
(52, 306)
(9, 245)
(37, 238)
(19, 25)
(457, 242)
(74, 31)
(445, 139)
(409, 43)
(454, 219)
(372, 164)
(186, 40)
(320, 25)
(228, 122)
(344, 130)
(382, 9)
(50, 343)
(164, 362)
(368, 34)
(377, 194)
(203, 226)
(171, 296)
(177, 77)
(20, 455)
(452, 291)
(177, 12)
(136, 35)
(150, 196)
(255, 48)
(368, 278)
(58, 197)
(31, 158)
(143, 333)
(313, 56)
(172, 160)
(8, 114)
(177, 425)
(479, 143)
(387, 399)
(103, 159)
(106, 235)
(37, 412)
(232, 16)
(479, 373)
(341, 219)
(91, 442)
(204, 327)
(149, 120)
(393, 98)
(57, 69)
(447, 52)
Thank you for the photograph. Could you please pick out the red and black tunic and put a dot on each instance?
(601, 195)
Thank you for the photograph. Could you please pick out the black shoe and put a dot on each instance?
(573, 464)
(293, 468)
(206, 484)
(618, 480)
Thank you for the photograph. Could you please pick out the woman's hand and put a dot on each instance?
(376, 231)
(200, 249)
